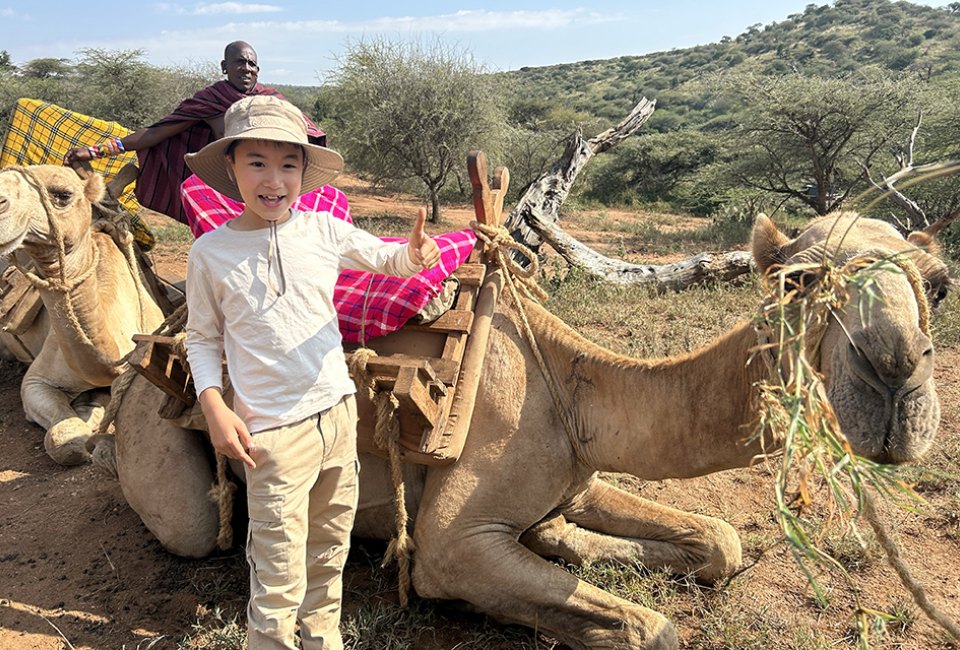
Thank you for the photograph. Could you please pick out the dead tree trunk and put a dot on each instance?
(545, 196)
(698, 269)
(534, 220)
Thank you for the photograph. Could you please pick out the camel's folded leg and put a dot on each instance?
(605, 523)
(50, 407)
(91, 405)
(500, 577)
(165, 473)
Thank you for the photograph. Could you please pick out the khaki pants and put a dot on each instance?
(302, 500)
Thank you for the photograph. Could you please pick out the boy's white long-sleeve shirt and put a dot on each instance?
(284, 354)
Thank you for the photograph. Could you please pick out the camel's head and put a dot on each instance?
(875, 357)
(24, 219)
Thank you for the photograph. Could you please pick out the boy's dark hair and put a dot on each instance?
(233, 146)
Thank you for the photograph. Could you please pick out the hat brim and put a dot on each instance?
(322, 165)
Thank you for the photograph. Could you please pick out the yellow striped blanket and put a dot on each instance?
(41, 133)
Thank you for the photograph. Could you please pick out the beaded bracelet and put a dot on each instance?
(109, 148)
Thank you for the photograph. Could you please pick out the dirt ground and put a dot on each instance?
(79, 570)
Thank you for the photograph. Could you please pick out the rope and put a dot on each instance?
(892, 549)
(387, 436)
(500, 242)
(120, 386)
(221, 493)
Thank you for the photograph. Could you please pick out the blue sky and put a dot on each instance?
(299, 41)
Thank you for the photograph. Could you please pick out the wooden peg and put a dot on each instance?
(482, 199)
(498, 188)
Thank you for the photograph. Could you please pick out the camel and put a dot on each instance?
(526, 487)
(93, 300)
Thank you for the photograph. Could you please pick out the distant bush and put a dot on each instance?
(111, 85)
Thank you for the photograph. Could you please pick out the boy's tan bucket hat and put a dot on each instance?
(263, 117)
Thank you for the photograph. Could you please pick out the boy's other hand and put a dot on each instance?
(228, 433)
(423, 250)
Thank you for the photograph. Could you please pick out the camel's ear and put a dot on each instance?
(93, 188)
(924, 241)
(767, 243)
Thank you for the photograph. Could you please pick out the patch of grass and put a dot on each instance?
(724, 618)
(946, 321)
(853, 554)
(639, 322)
(659, 234)
(214, 631)
(384, 225)
(173, 233)
(222, 581)
(372, 619)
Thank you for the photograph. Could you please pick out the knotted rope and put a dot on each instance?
(387, 437)
(221, 493)
(499, 243)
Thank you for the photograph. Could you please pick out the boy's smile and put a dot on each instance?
(269, 176)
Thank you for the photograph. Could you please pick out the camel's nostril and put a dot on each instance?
(4, 204)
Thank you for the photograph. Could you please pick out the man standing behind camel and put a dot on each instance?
(196, 122)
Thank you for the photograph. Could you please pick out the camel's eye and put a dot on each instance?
(61, 198)
(801, 281)
(937, 294)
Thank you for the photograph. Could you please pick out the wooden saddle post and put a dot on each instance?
(434, 369)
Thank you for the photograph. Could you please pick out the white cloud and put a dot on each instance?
(461, 21)
(481, 20)
(280, 42)
(7, 12)
(234, 8)
(168, 8)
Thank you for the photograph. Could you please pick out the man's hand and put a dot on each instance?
(77, 154)
(228, 433)
(422, 249)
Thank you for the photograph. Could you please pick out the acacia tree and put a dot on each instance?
(409, 111)
(808, 138)
(119, 85)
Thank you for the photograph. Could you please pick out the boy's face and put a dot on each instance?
(269, 176)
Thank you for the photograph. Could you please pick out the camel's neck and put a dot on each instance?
(678, 417)
(81, 307)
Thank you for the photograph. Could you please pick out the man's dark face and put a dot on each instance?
(241, 68)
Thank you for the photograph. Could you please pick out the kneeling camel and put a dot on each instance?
(93, 299)
(526, 486)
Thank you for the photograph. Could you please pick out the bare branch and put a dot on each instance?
(545, 195)
(701, 268)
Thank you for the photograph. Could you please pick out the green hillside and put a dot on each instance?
(825, 40)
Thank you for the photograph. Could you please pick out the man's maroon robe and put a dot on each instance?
(162, 168)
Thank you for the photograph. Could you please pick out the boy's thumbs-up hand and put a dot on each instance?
(422, 249)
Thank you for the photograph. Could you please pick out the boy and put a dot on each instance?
(260, 289)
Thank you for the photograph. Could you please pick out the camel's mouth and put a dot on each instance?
(884, 428)
(10, 246)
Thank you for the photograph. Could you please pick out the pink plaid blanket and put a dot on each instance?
(373, 304)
